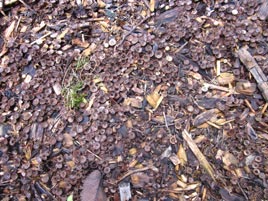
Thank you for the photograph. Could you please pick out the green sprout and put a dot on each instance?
(81, 62)
(73, 95)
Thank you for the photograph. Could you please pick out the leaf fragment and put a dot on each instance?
(154, 99)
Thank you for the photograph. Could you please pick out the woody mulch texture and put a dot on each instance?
(159, 100)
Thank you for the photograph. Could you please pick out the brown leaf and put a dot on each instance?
(225, 78)
(77, 41)
(92, 189)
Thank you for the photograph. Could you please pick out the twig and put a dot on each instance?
(135, 171)
(47, 34)
(128, 33)
(166, 123)
(245, 195)
(94, 154)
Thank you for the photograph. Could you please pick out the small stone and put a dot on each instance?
(234, 12)
(112, 42)
(169, 58)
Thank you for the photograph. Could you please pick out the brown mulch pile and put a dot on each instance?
(166, 99)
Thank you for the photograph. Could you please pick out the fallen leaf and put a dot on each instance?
(63, 33)
(154, 99)
(77, 41)
(225, 78)
(134, 102)
(199, 155)
(88, 51)
(10, 30)
(92, 189)
(182, 155)
(229, 159)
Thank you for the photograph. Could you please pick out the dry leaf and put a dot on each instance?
(245, 87)
(10, 30)
(63, 34)
(225, 78)
(229, 159)
(182, 155)
(134, 102)
(92, 189)
(68, 140)
(77, 41)
(139, 179)
(154, 99)
(88, 51)
(199, 155)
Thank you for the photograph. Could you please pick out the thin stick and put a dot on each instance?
(132, 172)
(128, 33)
(16, 29)
(94, 154)
(245, 195)
(47, 34)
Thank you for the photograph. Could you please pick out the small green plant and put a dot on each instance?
(81, 62)
(73, 95)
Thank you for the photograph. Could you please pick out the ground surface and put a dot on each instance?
(150, 93)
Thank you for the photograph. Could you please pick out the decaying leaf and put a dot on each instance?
(182, 155)
(88, 51)
(205, 116)
(229, 159)
(92, 189)
(134, 102)
(68, 140)
(208, 103)
(154, 99)
(10, 30)
(199, 155)
(139, 179)
(78, 42)
(98, 81)
(225, 78)
(63, 33)
(245, 87)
